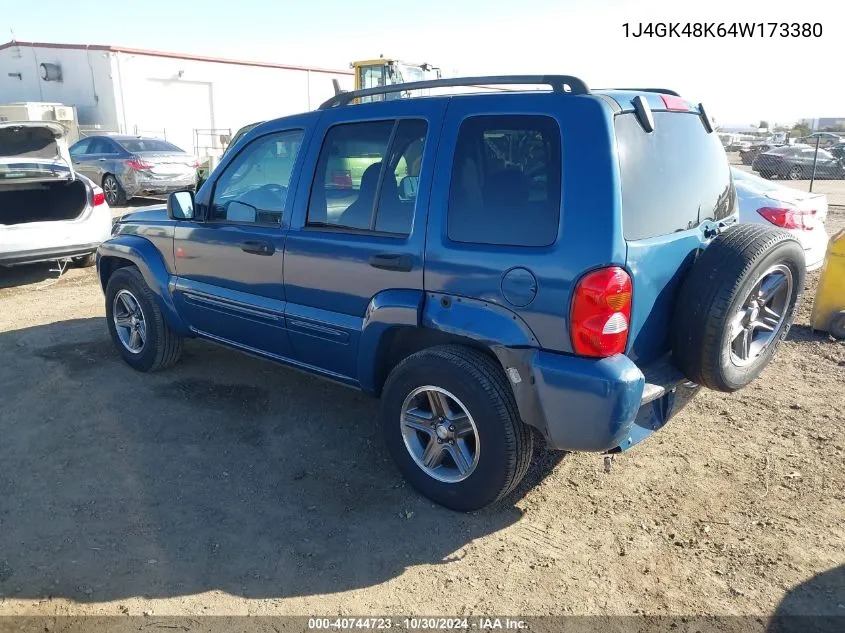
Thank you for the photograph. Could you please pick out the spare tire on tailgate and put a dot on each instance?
(736, 305)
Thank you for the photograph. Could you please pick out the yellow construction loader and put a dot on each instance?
(374, 73)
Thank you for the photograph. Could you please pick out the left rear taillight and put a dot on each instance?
(98, 197)
(789, 218)
(137, 164)
(601, 313)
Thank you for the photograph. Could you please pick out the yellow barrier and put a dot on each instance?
(829, 306)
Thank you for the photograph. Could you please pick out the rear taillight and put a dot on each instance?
(674, 103)
(789, 218)
(342, 178)
(138, 165)
(601, 313)
(99, 197)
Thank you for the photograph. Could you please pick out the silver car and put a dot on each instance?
(129, 166)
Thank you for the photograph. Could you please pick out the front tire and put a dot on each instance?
(795, 173)
(450, 422)
(136, 324)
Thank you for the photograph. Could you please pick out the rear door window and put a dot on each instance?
(505, 185)
(367, 176)
(673, 178)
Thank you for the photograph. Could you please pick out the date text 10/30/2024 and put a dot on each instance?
(723, 29)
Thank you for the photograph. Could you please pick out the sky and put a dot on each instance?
(741, 81)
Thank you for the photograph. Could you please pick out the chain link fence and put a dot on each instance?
(813, 163)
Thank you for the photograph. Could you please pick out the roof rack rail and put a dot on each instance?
(664, 91)
(558, 83)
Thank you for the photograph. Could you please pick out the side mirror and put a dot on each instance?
(180, 205)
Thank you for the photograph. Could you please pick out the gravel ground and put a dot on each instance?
(229, 485)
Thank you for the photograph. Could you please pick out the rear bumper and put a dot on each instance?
(137, 185)
(46, 254)
(596, 405)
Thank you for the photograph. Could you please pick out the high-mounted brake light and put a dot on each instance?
(99, 196)
(674, 103)
(601, 313)
(789, 218)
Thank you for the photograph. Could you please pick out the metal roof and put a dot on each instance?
(152, 53)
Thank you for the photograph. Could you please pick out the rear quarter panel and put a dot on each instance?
(589, 232)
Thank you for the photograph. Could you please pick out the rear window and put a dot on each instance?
(673, 178)
(148, 145)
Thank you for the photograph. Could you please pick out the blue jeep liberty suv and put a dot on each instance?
(496, 266)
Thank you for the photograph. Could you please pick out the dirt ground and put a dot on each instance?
(230, 485)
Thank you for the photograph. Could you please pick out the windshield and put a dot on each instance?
(410, 73)
(148, 145)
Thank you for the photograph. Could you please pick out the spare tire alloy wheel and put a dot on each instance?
(736, 304)
(761, 316)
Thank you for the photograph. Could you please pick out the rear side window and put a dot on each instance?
(673, 178)
(505, 186)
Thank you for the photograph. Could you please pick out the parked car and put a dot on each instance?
(801, 213)
(795, 162)
(825, 139)
(749, 154)
(129, 166)
(47, 210)
(579, 284)
(838, 150)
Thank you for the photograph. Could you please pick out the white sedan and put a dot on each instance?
(801, 213)
(47, 211)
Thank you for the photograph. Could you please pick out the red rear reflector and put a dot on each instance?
(342, 178)
(674, 103)
(788, 218)
(137, 165)
(601, 313)
(99, 197)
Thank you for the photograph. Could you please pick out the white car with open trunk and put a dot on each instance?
(47, 211)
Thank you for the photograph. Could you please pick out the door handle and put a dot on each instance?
(102, 160)
(392, 261)
(257, 247)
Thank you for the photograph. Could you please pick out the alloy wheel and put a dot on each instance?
(440, 434)
(760, 317)
(129, 321)
(110, 189)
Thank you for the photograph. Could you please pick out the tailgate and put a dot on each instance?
(676, 191)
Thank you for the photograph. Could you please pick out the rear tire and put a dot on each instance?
(85, 261)
(160, 346)
(115, 195)
(795, 173)
(498, 454)
(736, 305)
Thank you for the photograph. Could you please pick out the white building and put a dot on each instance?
(188, 99)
